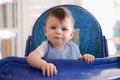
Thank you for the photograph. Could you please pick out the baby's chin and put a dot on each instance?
(59, 45)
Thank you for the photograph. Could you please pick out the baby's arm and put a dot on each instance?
(34, 59)
(88, 58)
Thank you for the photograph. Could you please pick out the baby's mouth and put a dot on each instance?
(58, 38)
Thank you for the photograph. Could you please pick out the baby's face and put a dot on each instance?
(57, 32)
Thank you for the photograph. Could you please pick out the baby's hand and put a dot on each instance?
(49, 69)
(88, 58)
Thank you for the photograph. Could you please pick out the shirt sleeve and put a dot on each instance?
(41, 48)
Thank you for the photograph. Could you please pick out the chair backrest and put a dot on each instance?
(89, 36)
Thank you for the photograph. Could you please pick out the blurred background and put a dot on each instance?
(17, 18)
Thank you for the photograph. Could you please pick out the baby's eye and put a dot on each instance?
(53, 27)
(64, 29)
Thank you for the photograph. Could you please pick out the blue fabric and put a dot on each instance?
(90, 34)
(71, 51)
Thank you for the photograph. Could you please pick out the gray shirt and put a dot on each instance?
(70, 51)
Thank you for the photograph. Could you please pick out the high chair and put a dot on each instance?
(89, 38)
(89, 35)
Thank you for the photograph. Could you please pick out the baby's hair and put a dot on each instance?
(61, 13)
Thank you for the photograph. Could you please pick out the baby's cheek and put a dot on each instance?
(67, 39)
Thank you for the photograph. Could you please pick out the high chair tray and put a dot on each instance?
(16, 68)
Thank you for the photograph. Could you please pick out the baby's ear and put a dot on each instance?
(73, 33)
(45, 30)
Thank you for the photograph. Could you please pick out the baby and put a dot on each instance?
(59, 30)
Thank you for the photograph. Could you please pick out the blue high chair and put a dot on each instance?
(89, 35)
(91, 41)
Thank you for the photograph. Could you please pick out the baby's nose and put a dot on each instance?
(58, 31)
